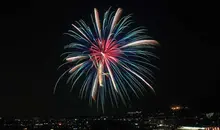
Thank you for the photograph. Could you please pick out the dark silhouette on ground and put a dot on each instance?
(111, 125)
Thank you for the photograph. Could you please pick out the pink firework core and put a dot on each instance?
(105, 51)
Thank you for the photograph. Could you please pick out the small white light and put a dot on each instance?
(191, 128)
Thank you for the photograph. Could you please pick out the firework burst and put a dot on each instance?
(114, 60)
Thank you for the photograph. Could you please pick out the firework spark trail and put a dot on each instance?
(97, 20)
(113, 60)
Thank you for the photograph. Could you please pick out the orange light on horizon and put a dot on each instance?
(212, 128)
(176, 107)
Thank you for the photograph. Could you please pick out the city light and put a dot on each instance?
(176, 107)
(135, 119)
(191, 128)
(213, 128)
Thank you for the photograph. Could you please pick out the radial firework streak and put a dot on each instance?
(113, 59)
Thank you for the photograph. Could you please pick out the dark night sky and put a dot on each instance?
(31, 43)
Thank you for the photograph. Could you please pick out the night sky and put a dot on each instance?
(32, 41)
